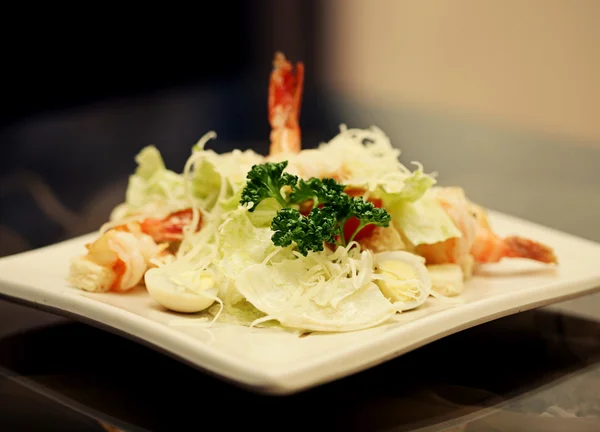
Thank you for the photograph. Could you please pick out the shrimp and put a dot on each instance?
(285, 100)
(285, 97)
(490, 248)
(455, 250)
(119, 258)
(116, 261)
(478, 242)
(169, 229)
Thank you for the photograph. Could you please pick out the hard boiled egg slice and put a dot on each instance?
(178, 298)
(402, 278)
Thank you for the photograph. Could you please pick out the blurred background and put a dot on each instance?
(499, 97)
(502, 98)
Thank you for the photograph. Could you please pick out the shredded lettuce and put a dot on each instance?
(324, 291)
(241, 244)
(259, 282)
(221, 177)
(364, 159)
(155, 191)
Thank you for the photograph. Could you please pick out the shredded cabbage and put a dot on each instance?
(258, 283)
(154, 191)
(221, 172)
(241, 244)
(364, 159)
(324, 291)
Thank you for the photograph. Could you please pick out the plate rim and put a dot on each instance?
(378, 349)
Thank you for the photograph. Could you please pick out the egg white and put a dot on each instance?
(174, 297)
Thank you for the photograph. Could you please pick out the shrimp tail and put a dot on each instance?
(285, 98)
(490, 248)
(478, 242)
(519, 247)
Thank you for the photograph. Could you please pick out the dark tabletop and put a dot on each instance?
(538, 370)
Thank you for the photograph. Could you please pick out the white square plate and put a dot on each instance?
(280, 362)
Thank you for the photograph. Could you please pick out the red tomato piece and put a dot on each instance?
(352, 224)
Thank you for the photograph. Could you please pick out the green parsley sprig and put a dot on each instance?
(331, 208)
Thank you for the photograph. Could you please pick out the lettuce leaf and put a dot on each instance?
(241, 244)
(155, 190)
(422, 221)
(264, 212)
(206, 183)
(233, 202)
(213, 168)
(408, 188)
(153, 184)
(308, 293)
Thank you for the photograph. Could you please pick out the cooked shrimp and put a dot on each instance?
(490, 248)
(285, 97)
(169, 229)
(478, 242)
(120, 257)
(455, 250)
(116, 261)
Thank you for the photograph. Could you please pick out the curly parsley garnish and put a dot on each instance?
(331, 208)
(266, 181)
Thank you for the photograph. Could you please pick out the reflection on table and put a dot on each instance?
(537, 370)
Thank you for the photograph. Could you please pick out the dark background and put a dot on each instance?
(65, 59)
(84, 91)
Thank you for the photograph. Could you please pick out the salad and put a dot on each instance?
(336, 238)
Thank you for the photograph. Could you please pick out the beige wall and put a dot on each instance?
(532, 63)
